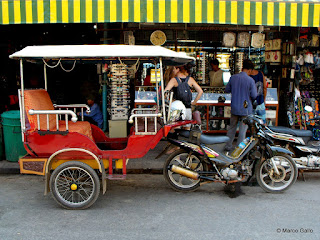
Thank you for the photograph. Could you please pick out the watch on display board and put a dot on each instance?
(243, 39)
(257, 40)
(229, 39)
(158, 38)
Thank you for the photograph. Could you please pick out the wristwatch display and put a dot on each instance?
(229, 39)
(243, 39)
(257, 40)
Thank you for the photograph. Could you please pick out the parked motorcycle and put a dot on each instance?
(300, 142)
(199, 160)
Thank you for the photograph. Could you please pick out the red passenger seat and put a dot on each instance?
(39, 99)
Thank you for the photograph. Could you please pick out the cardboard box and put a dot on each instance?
(117, 128)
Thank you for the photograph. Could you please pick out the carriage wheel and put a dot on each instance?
(75, 185)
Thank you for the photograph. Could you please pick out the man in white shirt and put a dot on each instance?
(216, 75)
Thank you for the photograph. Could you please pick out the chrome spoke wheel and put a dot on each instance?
(75, 185)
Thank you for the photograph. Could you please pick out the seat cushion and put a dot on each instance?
(206, 139)
(79, 127)
(294, 132)
(39, 99)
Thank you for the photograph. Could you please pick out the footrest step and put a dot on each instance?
(117, 177)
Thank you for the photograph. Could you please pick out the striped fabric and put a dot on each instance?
(304, 13)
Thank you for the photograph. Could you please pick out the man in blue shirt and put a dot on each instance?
(95, 116)
(242, 88)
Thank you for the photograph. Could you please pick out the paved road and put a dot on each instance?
(144, 207)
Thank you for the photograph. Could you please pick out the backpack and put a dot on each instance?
(183, 92)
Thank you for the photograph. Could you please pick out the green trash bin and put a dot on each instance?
(1, 144)
(12, 135)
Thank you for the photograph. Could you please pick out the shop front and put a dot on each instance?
(267, 32)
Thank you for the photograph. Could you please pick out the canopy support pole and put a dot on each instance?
(162, 93)
(104, 102)
(22, 109)
(45, 77)
(157, 85)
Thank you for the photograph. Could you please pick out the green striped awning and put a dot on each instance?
(293, 13)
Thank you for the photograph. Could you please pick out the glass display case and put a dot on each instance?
(214, 106)
(145, 95)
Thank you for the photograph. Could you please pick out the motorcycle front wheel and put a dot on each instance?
(272, 182)
(176, 181)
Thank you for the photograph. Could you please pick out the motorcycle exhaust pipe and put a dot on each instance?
(185, 172)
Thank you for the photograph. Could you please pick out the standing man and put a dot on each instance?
(242, 88)
(216, 75)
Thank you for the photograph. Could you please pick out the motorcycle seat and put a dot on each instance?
(206, 139)
(294, 132)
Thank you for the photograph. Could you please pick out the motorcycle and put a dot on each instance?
(300, 142)
(199, 160)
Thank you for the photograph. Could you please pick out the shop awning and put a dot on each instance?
(304, 13)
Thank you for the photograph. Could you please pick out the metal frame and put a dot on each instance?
(145, 116)
(58, 113)
(74, 106)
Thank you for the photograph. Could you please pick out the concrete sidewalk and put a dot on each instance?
(146, 164)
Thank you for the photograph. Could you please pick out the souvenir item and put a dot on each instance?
(257, 40)
(227, 112)
(276, 57)
(268, 45)
(119, 92)
(300, 60)
(268, 57)
(239, 62)
(284, 72)
(229, 39)
(213, 113)
(243, 39)
(158, 38)
(276, 44)
(223, 125)
(314, 40)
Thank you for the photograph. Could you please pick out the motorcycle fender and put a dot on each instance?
(307, 149)
(280, 149)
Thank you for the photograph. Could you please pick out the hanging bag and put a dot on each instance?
(184, 92)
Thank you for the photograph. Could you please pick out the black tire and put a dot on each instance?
(77, 175)
(182, 184)
(269, 181)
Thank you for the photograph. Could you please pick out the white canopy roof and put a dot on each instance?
(102, 52)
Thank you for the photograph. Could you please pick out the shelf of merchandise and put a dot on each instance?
(206, 115)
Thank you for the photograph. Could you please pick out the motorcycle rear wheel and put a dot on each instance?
(176, 181)
(272, 182)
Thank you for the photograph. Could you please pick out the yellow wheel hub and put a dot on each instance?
(74, 187)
